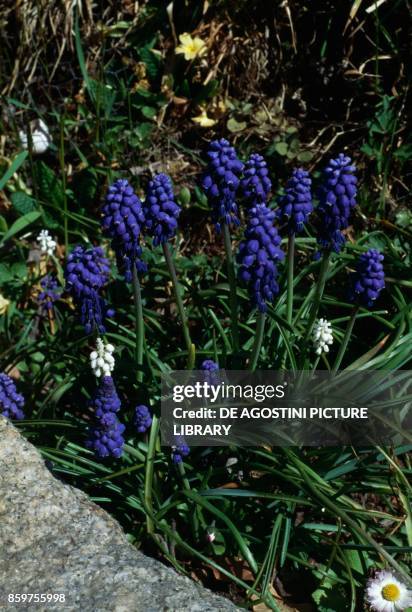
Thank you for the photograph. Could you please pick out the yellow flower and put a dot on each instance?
(4, 304)
(190, 47)
(203, 120)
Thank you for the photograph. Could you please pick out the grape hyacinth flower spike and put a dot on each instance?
(220, 184)
(337, 198)
(162, 213)
(365, 286)
(87, 272)
(221, 181)
(208, 365)
(46, 243)
(160, 209)
(105, 399)
(259, 253)
(295, 205)
(368, 280)
(258, 256)
(101, 359)
(210, 369)
(11, 402)
(49, 293)
(180, 450)
(322, 336)
(106, 434)
(123, 221)
(106, 437)
(255, 184)
(142, 418)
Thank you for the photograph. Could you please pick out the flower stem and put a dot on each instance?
(315, 365)
(149, 470)
(193, 515)
(345, 341)
(257, 345)
(320, 287)
(232, 285)
(139, 324)
(63, 175)
(291, 260)
(179, 303)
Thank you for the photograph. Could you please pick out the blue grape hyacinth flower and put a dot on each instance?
(337, 198)
(160, 209)
(208, 365)
(255, 184)
(221, 182)
(368, 280)
(295, 205)
(180, 450)
(259, 253)
(87, 272)
(142, 418)
(105, 399)
(210, 369)
(106, 437)
(49, 294)
(123, 221)
(106, 434)
(11, 402)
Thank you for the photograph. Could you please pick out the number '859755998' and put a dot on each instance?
(36, 597)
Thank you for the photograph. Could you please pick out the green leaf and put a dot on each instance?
(103, 95)
(19, 269)
(49, 185)
(330, 597)
(3, 224)
(236, 126)
(80, 56)
(21, 224)
(5, 273)
(152, 61)
(22, 202)
(404, 153)
(305, 156)
(184, 196)
(14, 166)
(281, 148)
(354, 558)
(148, 111)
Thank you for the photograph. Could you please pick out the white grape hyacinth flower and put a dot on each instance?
(101, 359)
(40, 137)
(46, 242)
(385, 593)
(322, 336)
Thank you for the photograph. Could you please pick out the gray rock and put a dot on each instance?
(53, 539)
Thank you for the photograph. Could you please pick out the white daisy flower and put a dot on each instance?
(46, 242)
(385, 593)
(322, 336)
(101, 359)
(40, 137)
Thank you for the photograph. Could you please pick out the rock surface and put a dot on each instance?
(53, 539)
